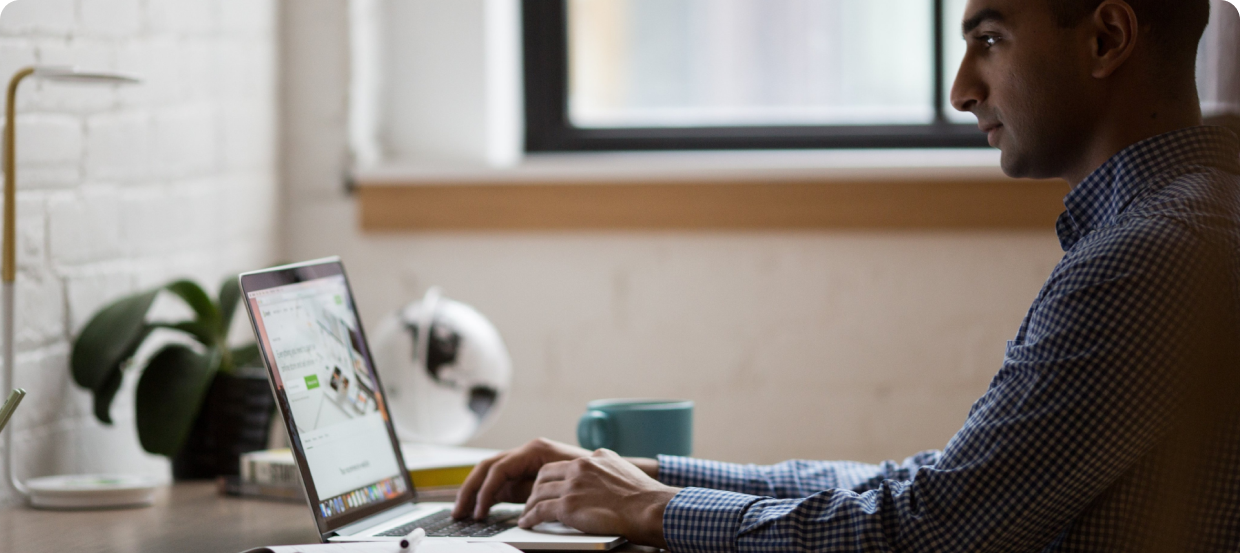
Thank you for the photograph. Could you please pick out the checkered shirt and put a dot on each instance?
(1074, 445)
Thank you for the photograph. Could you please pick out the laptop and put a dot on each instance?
(331, 398)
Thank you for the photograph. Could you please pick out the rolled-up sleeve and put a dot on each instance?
(790, 479)
(699, 519)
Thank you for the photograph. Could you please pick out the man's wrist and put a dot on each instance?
(648, 466)
(649, 530)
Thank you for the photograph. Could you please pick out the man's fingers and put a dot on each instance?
(545, 492)
(466, 495)
(509, 476)
(544, 511)
(551, 472)
(507, 469)
(515, 491)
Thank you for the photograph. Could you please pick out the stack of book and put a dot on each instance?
(437, 472)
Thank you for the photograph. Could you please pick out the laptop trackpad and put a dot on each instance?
(556, 528)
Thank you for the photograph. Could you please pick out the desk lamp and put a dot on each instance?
(75, 492)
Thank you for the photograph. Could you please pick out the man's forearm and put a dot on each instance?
(648, 466)
(790, 479)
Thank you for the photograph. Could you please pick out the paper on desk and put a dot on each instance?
(426, 546)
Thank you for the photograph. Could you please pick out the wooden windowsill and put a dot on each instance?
(782, 190)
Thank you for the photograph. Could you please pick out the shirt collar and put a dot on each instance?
(1103, 196)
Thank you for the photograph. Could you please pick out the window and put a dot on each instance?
(719, 74)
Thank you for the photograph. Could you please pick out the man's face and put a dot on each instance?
(1028, 81)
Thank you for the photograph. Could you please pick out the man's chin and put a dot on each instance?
(1020, 165)
(1014, 165)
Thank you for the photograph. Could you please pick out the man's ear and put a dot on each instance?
(1115, 29)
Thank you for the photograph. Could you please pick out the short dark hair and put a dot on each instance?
(1175, 25)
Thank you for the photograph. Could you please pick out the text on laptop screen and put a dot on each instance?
(314, 343)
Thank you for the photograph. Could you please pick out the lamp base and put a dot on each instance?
(91, 491)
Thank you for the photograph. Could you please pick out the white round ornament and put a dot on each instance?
(445, 368)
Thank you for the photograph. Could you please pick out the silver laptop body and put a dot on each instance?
(334, 408)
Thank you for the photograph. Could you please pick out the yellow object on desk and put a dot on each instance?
(440, 477)
(430, 466)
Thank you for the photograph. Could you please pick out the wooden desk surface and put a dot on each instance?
(186, 518)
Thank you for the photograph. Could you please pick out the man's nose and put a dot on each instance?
(968, 90)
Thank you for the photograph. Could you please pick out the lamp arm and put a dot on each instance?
(8, 273)
(10, 175)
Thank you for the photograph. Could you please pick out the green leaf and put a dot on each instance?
(198, 300)
(170, 394)
(230, 298)
(104, 396)
(111, 337)
(245, 355)
(202, 332)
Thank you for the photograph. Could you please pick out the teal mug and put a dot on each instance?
(638, 427)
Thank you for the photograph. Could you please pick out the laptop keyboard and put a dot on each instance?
(442, 525)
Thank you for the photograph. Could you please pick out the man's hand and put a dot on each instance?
(509, 476)
(600, 494)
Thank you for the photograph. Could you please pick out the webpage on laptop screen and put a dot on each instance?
(312, 337)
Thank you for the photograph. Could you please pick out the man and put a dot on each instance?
(1111, 425)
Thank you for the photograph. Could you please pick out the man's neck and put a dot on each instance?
(1127, 125)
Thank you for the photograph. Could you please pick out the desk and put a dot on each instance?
(186, 518)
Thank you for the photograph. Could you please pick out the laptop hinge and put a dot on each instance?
(376, 519)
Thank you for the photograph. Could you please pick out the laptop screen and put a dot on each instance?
(325, 382)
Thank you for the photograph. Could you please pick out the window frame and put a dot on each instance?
(548, 128)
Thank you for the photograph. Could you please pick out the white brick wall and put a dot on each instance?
(110, 18)
(46, 17)
(124, 188)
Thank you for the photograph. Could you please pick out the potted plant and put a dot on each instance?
(201, 405)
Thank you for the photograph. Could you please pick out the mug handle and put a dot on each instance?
(594, 430)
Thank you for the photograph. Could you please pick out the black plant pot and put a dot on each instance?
(235, 419)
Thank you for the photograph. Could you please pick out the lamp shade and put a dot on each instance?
(73, 74)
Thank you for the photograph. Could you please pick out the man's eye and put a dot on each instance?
(988, 40)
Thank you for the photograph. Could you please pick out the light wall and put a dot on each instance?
(1218, 74)
(822, 345)
(816, 345)
(436, 80)
(126, 188)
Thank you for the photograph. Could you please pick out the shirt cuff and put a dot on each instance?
(706, 521)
